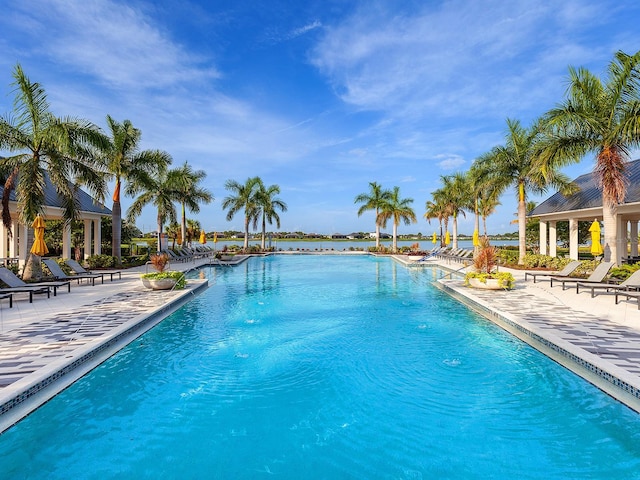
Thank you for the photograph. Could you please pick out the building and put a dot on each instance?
(586, 205)
(90, 213)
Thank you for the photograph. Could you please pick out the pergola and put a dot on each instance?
(90, 213)
(586, 205)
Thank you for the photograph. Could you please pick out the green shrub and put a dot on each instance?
(623, 271)
(101, 261)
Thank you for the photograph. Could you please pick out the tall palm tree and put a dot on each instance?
(126, 163)
(173, 232)
(602, 118)
(485, 194)
(269, 205)
(159, 191)
(374, 200)
(455, 195)
(435, 211)
(190, 193)
(519, 163)
(41, 143)
(243, 197)
(398, 209)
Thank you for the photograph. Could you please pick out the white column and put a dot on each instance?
(634, 238)
(13, 241)
(4, 234)
(553, 240)
(88, 225)
(543, 238)
(97, 237)
(621, 240)
(66, 241)
(573, 239)
(23, 248)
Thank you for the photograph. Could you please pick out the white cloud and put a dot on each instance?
(450, 162)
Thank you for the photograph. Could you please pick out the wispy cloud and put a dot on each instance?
(116, 43)
(305, 29)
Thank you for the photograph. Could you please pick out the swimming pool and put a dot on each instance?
(326, 367)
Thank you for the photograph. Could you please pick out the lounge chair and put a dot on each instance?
(631, 283)
(30, 289)
(59, 274)
(79, 269)
(9, 296)
(565, 272)
(628, 294)
(9, 278)
(596, 276)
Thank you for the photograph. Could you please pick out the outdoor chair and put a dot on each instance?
(13, 281)
(628, 294)
(631, 283)
(59, 274)
(9, 278)
(565, 272)
(596, 276)
(79, 269)
(9, 296)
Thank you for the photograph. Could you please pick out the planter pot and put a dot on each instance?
(159, 283)
(492, 284)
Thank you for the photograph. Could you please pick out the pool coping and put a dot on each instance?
(22, 397)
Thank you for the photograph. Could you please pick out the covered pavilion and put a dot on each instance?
(586, 205)
(90, 213)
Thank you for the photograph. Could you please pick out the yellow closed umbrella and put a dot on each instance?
(39, 247)
(215, 237)
(203, 237)
(447, 238)
(434, 239)
(476, 238)
(179, 237)
(596, 247)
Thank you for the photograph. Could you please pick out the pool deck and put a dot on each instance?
(46, 345)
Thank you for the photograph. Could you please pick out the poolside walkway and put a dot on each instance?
(46, 345)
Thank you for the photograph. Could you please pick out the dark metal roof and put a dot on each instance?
(85, 202)
(590, 194)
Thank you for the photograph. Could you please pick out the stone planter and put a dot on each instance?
(226, 258)
(159, 283)
(492, 284)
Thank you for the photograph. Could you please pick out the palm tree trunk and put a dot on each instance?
(476, 227)
(377, 231)
(33, 265)
(246, 233)
(610, 238)
(183, 227)
(395, 237)
(454, 227)
(159, 233)
(522, 225)
(264, 229)
(116, 225)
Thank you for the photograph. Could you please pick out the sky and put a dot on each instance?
(319, 97)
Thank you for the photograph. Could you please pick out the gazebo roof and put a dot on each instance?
(590, 194)
(86, 202)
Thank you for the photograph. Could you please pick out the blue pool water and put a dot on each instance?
(326, 368)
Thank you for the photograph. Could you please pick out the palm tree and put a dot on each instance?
(173, 232)
(244, 197)
(268, 204)
(190, 194)
(192, 231)
(603, 118)
(519, 163)
(125, 162)
(374, 200)
(41, 143)
(159, 191)
(485, 194)
(435, 211)
(399, 210)
(454, 194)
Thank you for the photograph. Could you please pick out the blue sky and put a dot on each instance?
(320, 97)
